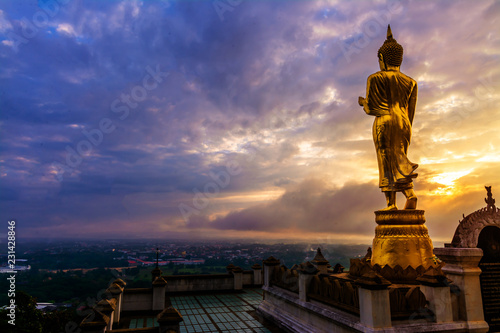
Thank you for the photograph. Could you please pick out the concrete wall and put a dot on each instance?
(286, 310)
(248, 278)
(137, 299)
(209, 282)
(142, 298)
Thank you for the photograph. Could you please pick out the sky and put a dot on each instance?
(231, 119)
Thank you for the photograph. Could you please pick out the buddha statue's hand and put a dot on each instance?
(361, 101)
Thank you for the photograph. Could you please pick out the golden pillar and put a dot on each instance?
(401, 238)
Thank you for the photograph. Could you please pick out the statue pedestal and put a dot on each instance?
(401, 238)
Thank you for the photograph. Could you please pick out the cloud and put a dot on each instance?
(270, 87)
(310, 206)
(5, 25)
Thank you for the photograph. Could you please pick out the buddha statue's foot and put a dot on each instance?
(411, 203)
(390, 207)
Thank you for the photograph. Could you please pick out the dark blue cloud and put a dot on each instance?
(246, 86)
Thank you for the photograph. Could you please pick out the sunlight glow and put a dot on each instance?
(307, 150)
(251, 197)
(449, 178)
(489, 158)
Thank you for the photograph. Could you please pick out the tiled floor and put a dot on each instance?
(214, 313)
(219, 313)
(143, 322)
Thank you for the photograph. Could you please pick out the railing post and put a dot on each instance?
(462, 268)
(257, 274)
(116, 292)
(306, 273)
(374, 303)
(238, 278)
(436, 288)
(159, 288)
(169, 320)
(270, 265)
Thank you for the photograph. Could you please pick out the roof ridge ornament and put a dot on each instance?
(467, 233)
(490, 202)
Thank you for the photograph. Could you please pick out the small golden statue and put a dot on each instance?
(391, 97)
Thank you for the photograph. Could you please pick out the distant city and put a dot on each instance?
(41, 264)
(66, 255)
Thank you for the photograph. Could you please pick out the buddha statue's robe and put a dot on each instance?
(391, 97)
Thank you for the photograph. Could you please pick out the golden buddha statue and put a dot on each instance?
(391, 97)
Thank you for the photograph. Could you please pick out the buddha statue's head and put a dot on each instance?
(391, 53)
